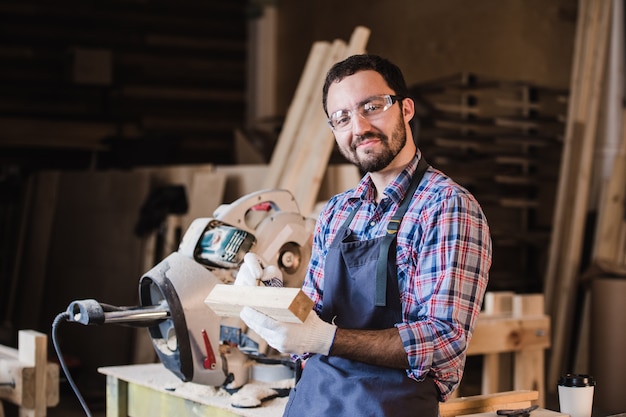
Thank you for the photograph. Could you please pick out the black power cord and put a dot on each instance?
(64, 316)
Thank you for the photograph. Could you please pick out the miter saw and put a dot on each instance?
(189, 339)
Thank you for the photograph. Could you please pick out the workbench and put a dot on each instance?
(152, 390)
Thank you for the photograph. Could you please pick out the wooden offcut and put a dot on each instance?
(488, 403)
(36, 382)
(280, 303)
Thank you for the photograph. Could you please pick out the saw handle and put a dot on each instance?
(209, 361)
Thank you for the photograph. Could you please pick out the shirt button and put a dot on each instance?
(372, 223)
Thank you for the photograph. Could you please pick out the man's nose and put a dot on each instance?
(360, 123)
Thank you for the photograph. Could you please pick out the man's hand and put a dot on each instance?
(252, 273)
(312, 336)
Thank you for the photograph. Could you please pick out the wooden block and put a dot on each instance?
(282, 304)
(526, 305)
(487, 403)
(499, 302)
(507, 334)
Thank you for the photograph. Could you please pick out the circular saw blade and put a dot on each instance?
(293, 261)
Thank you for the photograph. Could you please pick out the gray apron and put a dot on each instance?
(335, 386)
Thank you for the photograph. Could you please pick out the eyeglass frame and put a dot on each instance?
(390, 98)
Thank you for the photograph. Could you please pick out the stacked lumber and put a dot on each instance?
(512, 333)
(562, 278)
(305, 143)
(113, 79)
(501, 139)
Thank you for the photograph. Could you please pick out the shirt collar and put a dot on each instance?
(396, 190)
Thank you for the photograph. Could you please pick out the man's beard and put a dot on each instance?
(372, 162)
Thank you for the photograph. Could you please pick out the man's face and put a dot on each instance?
(369, 143)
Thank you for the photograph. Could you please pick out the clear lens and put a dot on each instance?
(342, 119)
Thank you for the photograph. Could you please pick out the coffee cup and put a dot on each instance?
(576, 394)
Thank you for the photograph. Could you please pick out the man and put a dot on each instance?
(398, 270)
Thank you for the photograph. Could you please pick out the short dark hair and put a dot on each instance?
(355, 63)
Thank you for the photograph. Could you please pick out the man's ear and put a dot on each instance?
(408, 109)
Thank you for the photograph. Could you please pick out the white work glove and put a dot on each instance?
(252, 273)
(312, 336)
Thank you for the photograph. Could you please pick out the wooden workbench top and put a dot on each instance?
(159, 379)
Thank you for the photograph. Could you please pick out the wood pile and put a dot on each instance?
(306, 142)
(502, 140)
(576, 241)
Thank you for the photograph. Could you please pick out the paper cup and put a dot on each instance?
(576, 394)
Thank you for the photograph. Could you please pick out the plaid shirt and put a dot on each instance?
(443, 259)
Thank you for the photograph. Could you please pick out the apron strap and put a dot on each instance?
(392, 230)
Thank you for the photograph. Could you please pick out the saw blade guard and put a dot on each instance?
(187, 342)
(283, 237)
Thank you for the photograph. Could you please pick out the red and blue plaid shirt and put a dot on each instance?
(443, 259)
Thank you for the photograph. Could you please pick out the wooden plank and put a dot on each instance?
(540, 412)
(612, 206)
(305, 167)
(508, 334)
(569, 152)
(33, 351)
(36, 381)
(282, 304)
(572, 246)
(505, 334)
(296, 111)
(487, 403)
